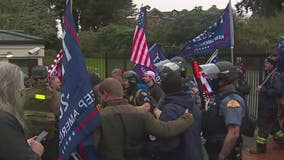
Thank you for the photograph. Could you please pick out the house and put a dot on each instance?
(24, 50)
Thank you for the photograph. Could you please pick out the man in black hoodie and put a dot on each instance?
(186, 146)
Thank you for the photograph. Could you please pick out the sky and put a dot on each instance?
(169, 5)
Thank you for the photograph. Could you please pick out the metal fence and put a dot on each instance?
(254, 73)
(252, 78)
(104, 66)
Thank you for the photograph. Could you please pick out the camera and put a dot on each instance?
(34, 51)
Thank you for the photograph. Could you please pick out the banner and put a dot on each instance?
(220, 34)
(78, 115)
(156, 55)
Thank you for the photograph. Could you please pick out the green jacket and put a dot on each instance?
(41, 105)
(13, 144)
(112, 136)
(41, 98)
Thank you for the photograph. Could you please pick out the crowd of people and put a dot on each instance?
(163, 120)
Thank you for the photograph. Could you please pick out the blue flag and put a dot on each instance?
(220, 34)
(78, 115)
(213, 58)
(156, 55)
(281, 55)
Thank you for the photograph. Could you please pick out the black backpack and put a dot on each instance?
(242, 86)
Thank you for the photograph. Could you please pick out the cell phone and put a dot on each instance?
(41, 136)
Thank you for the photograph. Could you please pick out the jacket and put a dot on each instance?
(13, 144)
(185, 146)
(270, 92)
(123, 125)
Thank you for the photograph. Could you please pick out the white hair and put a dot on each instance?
(11, 83)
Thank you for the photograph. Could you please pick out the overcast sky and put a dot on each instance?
(169, 5)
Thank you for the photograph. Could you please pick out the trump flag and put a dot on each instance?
(78, 115)
(156, 56)
(220, 34)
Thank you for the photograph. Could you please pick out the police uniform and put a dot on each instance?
(225, 109)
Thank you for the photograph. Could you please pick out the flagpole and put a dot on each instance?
(232, 54)
(231, 32)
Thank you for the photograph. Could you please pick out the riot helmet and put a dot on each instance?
(39, 72)
(182, 64)
(171, 78)
(131, 76)
(223, 70)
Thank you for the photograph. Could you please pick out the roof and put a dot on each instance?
(11, 37)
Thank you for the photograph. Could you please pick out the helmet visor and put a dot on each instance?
(211, 70)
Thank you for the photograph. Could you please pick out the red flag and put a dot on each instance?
(139, 53)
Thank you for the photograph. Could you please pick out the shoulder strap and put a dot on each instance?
(138, 92)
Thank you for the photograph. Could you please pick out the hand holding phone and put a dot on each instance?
(41, 136)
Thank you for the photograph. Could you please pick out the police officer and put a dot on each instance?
(40, 109)
(135, 96)
(223, 118)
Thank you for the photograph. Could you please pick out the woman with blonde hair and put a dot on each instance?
(13, 144)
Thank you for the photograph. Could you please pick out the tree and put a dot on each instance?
(260, 7)
(115, 40)
(99, 13)
(30, 16)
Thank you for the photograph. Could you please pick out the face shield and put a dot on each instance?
(210, 70)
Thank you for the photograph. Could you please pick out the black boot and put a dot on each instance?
(279, 139)
(259, 148)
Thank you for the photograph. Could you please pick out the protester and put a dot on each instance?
(41, 108)
(55, 83)
(95, 80)
(185, 146)
(134, 95)
(117, 74)
(124, 128)
(13, 145)
(223, 118)
(269, 90)
(154, 90)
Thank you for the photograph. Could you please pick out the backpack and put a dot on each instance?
(139, 100)
(39, 111)
(242, 86)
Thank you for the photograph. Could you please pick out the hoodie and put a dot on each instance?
(186, 146)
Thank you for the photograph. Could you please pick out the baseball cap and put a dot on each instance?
(151, 74)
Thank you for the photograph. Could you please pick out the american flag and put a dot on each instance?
(55, 68)
(139, 53)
